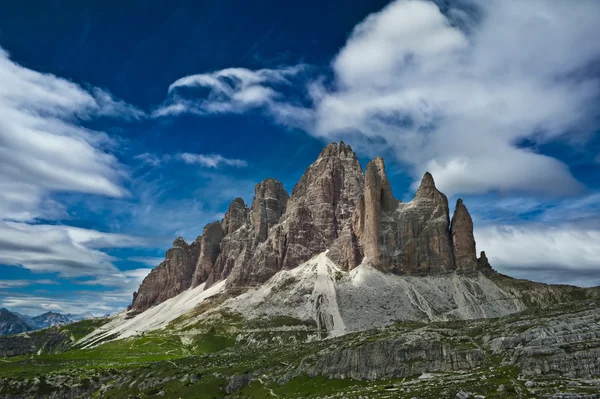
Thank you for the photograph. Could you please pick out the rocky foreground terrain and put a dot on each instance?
(549, 353)
(338, 290)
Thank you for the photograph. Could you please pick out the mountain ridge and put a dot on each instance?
(335, 206)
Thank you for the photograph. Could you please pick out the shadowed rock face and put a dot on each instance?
(209, 251)
(465, 255)
(403, 238)
(170, 278)
(336, 207)
(321, 206)
(238, 248)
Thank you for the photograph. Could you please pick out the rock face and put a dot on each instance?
(391, 358)
(465, 255)
(170, 278)
(239, 247)
(336, 207)
(209, 251)
(321, 206)
(11, 323)
(403, 238)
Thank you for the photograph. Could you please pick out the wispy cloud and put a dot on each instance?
(44, 148)
(212, 160)
(562, 254)
(452, 92)
(231, 90)
(147, 260)
(70, 252)
(25, 283)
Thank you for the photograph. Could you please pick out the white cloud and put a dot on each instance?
(24, 283)
(70, 252)
(231, 90)
(561, 254)
(453, 93)
(456, 103)
(147, 260)
(97, 302)
(43, 147)
(212, 160)
(150, 159)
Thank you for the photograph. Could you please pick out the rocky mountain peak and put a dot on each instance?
(235, 217)
(180, 243)
(335, 206)
(427, 189)
(337, 150)
(208, 253)
(463, 241)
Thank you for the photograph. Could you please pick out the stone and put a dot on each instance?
(530, 384)
(238, 247)
(462, 395)
(463, 241)
(482, 262)
(237, 382)
(403, 238)
(170, 278)
(209, 251)
(235, 217)
(378, 203)
(321, 206)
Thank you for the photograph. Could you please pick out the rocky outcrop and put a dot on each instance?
(209, 251)
(463, 242)
(403, 238)
(170, 278)
(482, 262)
(334, 207)
(235, 217)
(239, 246)
(398, 357)
(320, 208)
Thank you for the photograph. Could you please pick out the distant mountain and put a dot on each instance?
(16, 323)
(12, 323)
(50, 319)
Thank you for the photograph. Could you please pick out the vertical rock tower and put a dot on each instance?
(336, 207)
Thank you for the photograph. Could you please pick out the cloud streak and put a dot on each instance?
(468, 94)
(231, 90)
(212, 160)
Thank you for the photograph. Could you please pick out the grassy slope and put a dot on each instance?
(200, 364)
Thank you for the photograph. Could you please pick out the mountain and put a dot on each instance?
(341, 252)
(335, 206)
(16, 323)
(50, 319)
(338, 290)
(13, 323)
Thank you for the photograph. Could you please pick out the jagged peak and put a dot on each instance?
(333, 149)
(237, 201)
(269, 188)
(427, 189)
(268, 182)
(427, 180)
(180, 243)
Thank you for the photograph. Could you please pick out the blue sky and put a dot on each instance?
(125, 126)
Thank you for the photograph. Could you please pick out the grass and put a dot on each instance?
(219, 347)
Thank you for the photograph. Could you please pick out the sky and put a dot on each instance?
(124, 125)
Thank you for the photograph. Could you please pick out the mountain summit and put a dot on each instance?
(336, 206)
